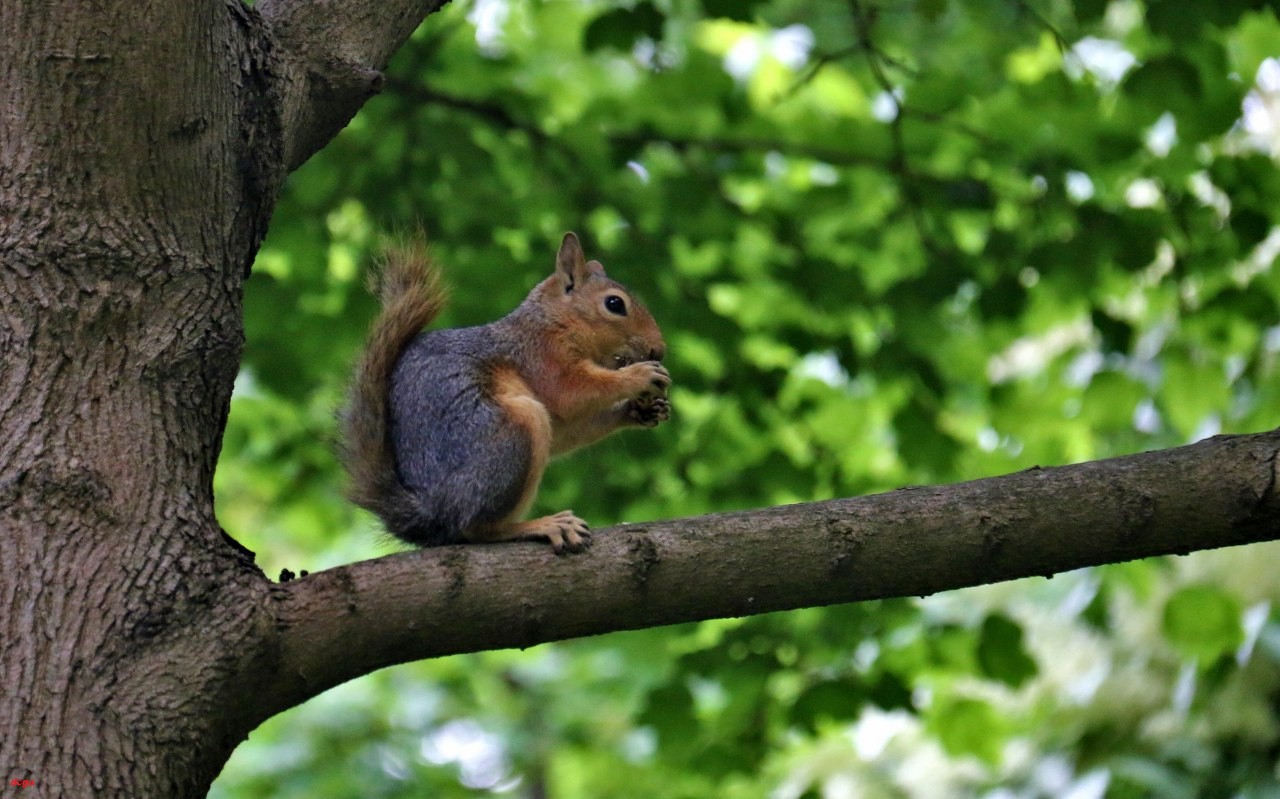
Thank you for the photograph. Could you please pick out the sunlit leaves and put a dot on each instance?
(925, 243)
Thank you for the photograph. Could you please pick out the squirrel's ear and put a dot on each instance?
(571, 265)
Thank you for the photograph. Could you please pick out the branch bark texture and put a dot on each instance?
(348, 621)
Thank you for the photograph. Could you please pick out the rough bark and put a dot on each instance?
(141, 149)
(332, 55)
(348, 621)
(131, 197)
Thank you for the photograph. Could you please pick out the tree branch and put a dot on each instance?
(341, 623)
(332, 54)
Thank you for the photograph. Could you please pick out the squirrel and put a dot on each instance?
(446, 433)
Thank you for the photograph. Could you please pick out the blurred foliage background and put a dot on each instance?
(891, 242)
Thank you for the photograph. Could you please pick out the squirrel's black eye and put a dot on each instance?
(615, 305)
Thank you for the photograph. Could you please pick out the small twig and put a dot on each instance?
(817, 66)
(492, 112)
(863, 24)
(1064, 48)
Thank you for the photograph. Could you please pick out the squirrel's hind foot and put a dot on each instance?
(564, 531)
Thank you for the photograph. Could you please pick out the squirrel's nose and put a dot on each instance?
(657, 353)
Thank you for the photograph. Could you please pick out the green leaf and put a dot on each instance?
(1257, 39)
(969, 727)
(1191, 392)
(738, 10)
(621, 28)
(1164, 82)
(829, 700)
(1203, 623)
(669, 711)
(1001, 654)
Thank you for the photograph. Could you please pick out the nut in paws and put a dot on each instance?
(649, 410)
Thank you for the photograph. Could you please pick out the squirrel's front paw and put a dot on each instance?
(648, 410)
(652, 378)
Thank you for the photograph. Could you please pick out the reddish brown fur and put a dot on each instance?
(568, 367)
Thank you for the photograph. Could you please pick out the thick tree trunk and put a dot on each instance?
(139, 167)
(141, 148)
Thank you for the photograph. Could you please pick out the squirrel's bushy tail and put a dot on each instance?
(408, 285)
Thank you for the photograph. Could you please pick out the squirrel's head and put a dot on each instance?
(597, 313)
